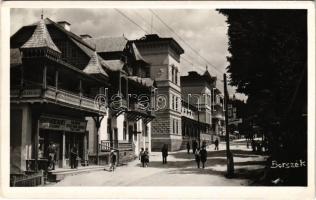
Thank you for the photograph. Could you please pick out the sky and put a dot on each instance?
(201, 33)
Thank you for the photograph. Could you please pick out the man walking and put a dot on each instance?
(216, 144)
(194, 146)
(112, 161)
(188, 147)
(164, 152)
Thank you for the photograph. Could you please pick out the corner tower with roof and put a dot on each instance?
(164, 56)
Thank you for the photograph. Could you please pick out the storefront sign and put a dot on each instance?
(62, 124)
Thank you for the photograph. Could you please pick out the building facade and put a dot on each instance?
(163, 54)
(201, 91)
(131, 96)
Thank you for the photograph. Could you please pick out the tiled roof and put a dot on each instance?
(40, 38)
(113, 65)
(108, 44)
(15, 57)
(94, 66)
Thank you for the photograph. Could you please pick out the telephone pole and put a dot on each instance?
(229, 155)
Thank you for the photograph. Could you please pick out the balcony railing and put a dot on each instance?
(138, 107)
(56, 95)
(107, 145)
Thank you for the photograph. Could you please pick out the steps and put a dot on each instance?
(59, 174)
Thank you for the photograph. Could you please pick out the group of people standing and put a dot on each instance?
(144, 157)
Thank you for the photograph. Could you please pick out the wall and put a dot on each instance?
(21, 147)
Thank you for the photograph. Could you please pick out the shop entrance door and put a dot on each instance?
(74, 140)
(54, 137)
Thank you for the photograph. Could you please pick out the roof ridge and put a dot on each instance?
(40, 38)
(94, 66)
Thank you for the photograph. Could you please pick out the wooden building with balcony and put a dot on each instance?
(55, 76)
(131, 97)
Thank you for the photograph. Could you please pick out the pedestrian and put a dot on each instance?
(141, 157)
(216, 144)
(51, 155)
(146, 157)
(112, 161)
(188, 147)
(197, 157)
(203, 154)
(73, 157)
(164, 151)
(194, 146)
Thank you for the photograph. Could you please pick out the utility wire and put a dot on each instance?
(131, 20)
(160, 33)
(195, 51)
(135, 23)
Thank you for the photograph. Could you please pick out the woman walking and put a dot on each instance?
(203, 154)
(141, 157)
(197, 157)
(146, 157)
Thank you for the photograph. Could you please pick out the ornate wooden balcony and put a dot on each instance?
(138, 111)
(218, 114)
(51, 94)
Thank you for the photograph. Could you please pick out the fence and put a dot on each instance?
(28, 180)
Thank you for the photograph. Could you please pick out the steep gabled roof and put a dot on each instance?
(94, 66)
(108, 44)
(138, 56)
(113, 65)
(40, 38)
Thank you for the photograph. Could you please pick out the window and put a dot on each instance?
(176, 76)
(172, 102)
(146, 131)
(124, 130)
(176, 103)
(177, 127)
(172, 74)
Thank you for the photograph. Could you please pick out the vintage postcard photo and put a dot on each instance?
(159, 96)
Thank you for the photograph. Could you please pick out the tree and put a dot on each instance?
(268, 63)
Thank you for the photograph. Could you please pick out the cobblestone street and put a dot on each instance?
(180, 170)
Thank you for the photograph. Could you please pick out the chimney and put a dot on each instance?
(65, 25)
(85, 36)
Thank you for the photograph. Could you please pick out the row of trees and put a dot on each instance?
(268, 63)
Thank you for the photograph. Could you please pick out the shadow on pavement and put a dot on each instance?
(220, 153)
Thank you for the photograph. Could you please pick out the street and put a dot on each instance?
(180, 170)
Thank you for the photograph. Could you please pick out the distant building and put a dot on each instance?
(201, 91)
(163, 54)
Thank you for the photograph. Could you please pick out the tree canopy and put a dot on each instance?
(268, 63)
